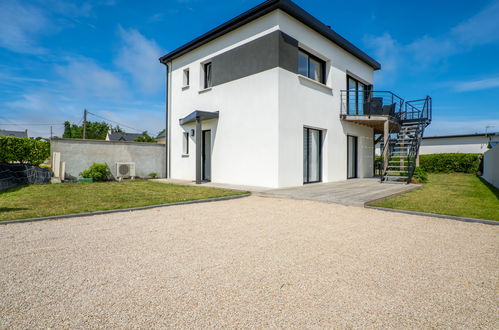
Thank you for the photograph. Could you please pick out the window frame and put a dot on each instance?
(185, 143)
(322, 63)
(207, 85)
(186, 82)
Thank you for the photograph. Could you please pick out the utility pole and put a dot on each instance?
(51, 132)
(84, 124)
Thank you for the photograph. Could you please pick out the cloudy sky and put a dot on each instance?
(59, 57)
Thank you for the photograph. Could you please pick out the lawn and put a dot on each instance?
(55, 199)
(459, 194)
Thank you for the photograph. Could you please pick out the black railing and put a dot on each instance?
(369, 103)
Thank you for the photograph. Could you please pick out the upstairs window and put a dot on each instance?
(207, 75)
(186, 78)
(311, 66)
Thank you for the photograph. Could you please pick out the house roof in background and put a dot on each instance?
(461, 135)
(288, 7)
(123, 136)
(14, 133)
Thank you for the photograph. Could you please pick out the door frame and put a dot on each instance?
(203, 154)
(307, 129)
(356, 159)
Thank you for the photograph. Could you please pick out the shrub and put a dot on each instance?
(153, 175)
(97, 172)
(23, 150)
(420, 174)
(447, 163)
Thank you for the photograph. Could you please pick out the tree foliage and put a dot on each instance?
(145, 137)
(95, 130)
(23, 150)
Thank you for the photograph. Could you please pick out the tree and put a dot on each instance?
(117, 129)
(161, 132)
(94, 130)
(145, 137)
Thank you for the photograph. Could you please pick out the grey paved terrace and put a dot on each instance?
(354, 192)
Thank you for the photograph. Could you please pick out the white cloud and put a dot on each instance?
(84, 77)
(387, 51)
(139, 58)
(475, 85)
(20, 26)
(482, 28)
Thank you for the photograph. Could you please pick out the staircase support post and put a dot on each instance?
(386, 139)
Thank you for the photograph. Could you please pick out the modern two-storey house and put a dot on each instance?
(275, 98)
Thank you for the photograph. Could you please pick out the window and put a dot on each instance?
(356, 96)
(311, 66)
(207, 75)
(185, 143)
(186, 78)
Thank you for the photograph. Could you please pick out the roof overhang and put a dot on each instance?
(202, 115)
(268, 6)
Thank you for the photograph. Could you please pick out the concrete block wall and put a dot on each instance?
(81, 154)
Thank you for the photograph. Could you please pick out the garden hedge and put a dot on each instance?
(447, 163)
(23, 150)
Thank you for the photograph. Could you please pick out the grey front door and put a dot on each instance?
(352, 156)
(206, 155)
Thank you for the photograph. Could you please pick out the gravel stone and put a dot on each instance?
(254, 262)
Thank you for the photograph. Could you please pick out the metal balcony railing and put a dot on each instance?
(369, 103)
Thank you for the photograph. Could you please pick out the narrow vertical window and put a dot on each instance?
(185, 143)
(186, 78)
(207, 75)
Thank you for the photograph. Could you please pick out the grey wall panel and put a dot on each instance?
(265, 53)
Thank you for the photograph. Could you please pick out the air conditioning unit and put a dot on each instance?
(125, 170)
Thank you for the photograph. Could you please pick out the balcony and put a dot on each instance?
(375, 108)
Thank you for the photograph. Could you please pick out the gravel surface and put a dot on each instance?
(251, 262)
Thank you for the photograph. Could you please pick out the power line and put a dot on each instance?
(121, 124)
(32, 124)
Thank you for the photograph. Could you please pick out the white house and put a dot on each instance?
(465, 143)
(260, 100)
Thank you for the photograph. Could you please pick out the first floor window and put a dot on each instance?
(185, 143)
(186, 78)
(207, 75)
(311, 66)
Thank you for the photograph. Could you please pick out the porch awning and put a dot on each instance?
(203, 115)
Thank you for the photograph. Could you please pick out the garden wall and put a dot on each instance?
(491, 166)
(80, 154)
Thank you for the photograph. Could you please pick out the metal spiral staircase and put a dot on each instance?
(400, 151)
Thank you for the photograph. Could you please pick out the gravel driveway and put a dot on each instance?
(251, 262)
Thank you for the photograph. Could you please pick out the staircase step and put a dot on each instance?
(396, 176)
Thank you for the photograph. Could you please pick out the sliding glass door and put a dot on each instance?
(357, 94)
(312, 155)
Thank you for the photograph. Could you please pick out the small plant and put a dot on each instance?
(97, 172)
(153, 175)
(420, 175)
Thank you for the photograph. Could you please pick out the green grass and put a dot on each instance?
(55, 199)
(459, 194)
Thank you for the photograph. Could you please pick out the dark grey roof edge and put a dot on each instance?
(460, 135)
(264, 8)
(204, 115)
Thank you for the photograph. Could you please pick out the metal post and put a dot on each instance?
(84, 124)
(386, 138)
(199, 142)
(51, 132)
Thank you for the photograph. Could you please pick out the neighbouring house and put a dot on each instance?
(465, 143)
(22, 134)
(275, 98)
(161, 138)
(122, 136)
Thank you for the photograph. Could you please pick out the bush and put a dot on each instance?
(447, 163)
(23, 150)
(153, 175)
(97, 172)
(420, 174)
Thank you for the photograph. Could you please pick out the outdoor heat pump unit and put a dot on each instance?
(125, 170)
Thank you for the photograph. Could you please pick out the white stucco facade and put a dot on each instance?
(258, 138)
(457, 144)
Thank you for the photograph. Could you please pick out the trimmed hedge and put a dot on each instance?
(447, 163)
(23, 150)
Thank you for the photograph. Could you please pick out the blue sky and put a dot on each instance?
(58, 57)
